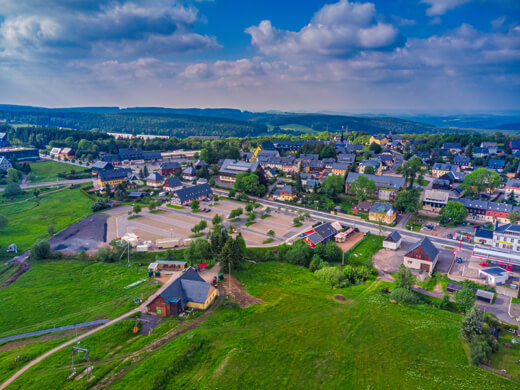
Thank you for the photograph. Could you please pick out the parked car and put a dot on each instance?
(459, 260)
(207, 210)
(476, 226)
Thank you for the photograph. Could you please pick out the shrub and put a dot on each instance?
(98, 206)
(471, 326)
(401, 294)
(479, 350)
(464, 299)
(41, 250)
(404, 278)
(332, 276)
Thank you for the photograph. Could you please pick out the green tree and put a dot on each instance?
(328, 151)
(51, 229)
(511, 198)
(235, 213)
(217, 220)
(4, 222)
(105, 255)
(481, 180)
(137, 209)
(194, 204)
(370, 170)
(230, 255)
(332, 186)
(404, 278)
(199, 227)
(363, 188)
(513, 216)
(479, 349)
(249, 207)
(299, 254)
(13, 176)
(41, 250)
(472, 324)
(151, 205)
(218, 237)
(464, 299)
(12, 190)
(315, 263)
(331, 275)
(333, 253)
(455, 212)
(408, 200)
(199, 250)
(410, 169)
(376, 148)
(250, 184)
(269, 233)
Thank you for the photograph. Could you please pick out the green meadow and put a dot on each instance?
(47, 171)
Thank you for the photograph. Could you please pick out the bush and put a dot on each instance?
(4, 222)
(479, 350)
(332, 276)
(401, 294)
(41, 250)
(404, 278)
(98, 206)
(105, 255)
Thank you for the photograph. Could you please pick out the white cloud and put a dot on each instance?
(335, 30)
(440, 7)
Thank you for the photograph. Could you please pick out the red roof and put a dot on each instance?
(203, 265)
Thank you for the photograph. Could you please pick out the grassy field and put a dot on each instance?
(65, 292)
(29, 220)
(362, 253)
(296, 127)
(47, 171)
(300, 337)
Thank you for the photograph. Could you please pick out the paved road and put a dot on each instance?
(54, 183)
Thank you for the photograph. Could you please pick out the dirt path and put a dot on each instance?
(24, 267)
(242, 298)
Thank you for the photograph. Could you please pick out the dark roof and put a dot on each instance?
(131, 154)
(393, 237)
(200, 164)
(444, 167)
(114, 174)
(288, 189)
(392, 182)
(510, 227)
(189, 287)
(170, 165)
(451, 145)
(494, 271)
(102, 165)
(315, 238)
(453, 286)
(484, 233)
(325, 230)
(458, 159)
(185, 194)
(427, 246)
(493, 163)
(155, 176)
(173, 182)
(189, 171)
(135, 194)
(152, 155)
(379, 207)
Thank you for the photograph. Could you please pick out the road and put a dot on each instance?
(32, 363)
(54, 183)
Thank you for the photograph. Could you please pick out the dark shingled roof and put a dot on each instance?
(427, 246)
(326, 230)
(170, 165)
(189, 287)
(393, 237)
(186, 194)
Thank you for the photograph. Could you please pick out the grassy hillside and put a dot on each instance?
(48, 171)
(300, 337)
(30, 219)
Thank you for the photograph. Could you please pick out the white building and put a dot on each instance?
(5, 165)
(494, 276)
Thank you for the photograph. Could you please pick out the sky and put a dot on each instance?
(289, 55)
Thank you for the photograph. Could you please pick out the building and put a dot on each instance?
(494, 276)
(480, 152)
(435, 200)
(462, 162)
(339, 168)
(423, 255)
(113, 177)
(441, 169)
(321, 234)
(199, 192)
(362, 206)
(189, 174)
(188, 291)
(383, 212)
(55, 152)
(169, 168)
(231, 168)
(20, 154)
(453, 147)
(5, 165)
(155, 180)
(67, 153)
(483, 236)
(492, 147)
(172, 184)
(168, 266)
(441, 184)
(513, 186)
(514, 145)
(129, 154)
(386, 186)
(200, 163)
(378, 139)
(497, 165)
(4, 143)
(393, 241)
(346, 158)
(99, 166)
(376, 164)
(287, 193)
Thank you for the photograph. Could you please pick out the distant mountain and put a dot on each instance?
(507, 126)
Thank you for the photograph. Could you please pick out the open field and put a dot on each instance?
(29, 221)
(47, 171)
(66, 292)
(300, 337)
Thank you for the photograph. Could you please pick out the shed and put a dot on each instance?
(393, 241)
(494, 275)
(485, 296)
(452, 287)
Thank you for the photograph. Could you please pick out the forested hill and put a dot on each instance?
(201, 122)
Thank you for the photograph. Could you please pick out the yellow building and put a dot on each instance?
(383, 212)
(212, 294)
(112, 177)
(440, 169)
(379, 139)
(376, 164)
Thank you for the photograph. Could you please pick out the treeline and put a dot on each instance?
(181, 126)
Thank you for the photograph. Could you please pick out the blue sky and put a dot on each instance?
(343, 56)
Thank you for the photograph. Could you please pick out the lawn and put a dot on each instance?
(300, 337)
(65, 292)
(47, 171)
(29, 220)
(362, 252)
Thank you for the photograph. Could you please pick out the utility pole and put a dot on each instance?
(343, 259)
(229, 264)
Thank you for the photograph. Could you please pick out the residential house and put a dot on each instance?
(423, 255)
(290, 165)
(199, 192)
(376, 164)
(350, 148)
(480, 152)
(362, 206)
(435, 200)
(287, 193)
(483, 236)
(483, 210)
(453, 147)
(441, 169)
(202, 180)
(441, 184)
(172, 184)
(383, 212)
(67, 153)
(386, 186)
(155, 180)
(513, 186)
(55, 152)
(497, 165)
(462, 162)
(492, 147)
(5, 165)
(231, 168)
(189, 173)
(378, 139)
(321, 234)
(4, 143)
(188, 291)
(514, 145)
(454, 177)
(329, 162)
(311, 185)
(113, 177)
(168, 266)
(200, 163)
(339, 169)
(347, 158)
(101, 166)
(169, 168)
(313, 165)
(393, 241)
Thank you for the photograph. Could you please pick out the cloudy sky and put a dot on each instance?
(398, 55)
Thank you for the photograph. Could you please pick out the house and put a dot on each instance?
(4, 143)
(378, 139)
(129, 154)
(362, 206)
(453, 147)
(423, 255)
(376, 164)
(514, 145)
(383, 212)
(339, 168)
(168, 266)
(354, 148)
(342, 236)
(386, 186)
(101, 166)
(231, 168)
(454, 177)
(513, 186)
(202, 180)
(492, 147)
(480, 152)
(497, 165)
(188, 291)
(172, 184)
(483, 236)
(287, 193)
(20, 154)
(494, 276)
(169, 168)
(184, 196)
(5, 165)
(462, 162)
(113, 177)
(346, 158)
(440, 169)
(200, 163)
(321, 234)
(189, 174)
(441, 184)
(136, 195)
(55, 152)
(67, 153)
(312, 185)
(155, 180)
(393, 241)
(435, 200)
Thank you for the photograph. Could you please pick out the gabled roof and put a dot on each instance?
(428, 248)
(392, 182)
(382, 208)
(102, 165)
(173, 182)
(186, 194)
(155, 176)
(393, 237)
(114, 174)
(494, 163)
(484, 233)
(189, 171)
(170, 165)
(458, 159)
(189, 287)
(340, 166)
(436, 196)
(288, 189)
(444, 167)
(451, 145)
(234, 167)
(325, 230)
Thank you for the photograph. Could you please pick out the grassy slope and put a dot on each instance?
(47, 171)
(301, 337)
(66, 292)
(29, 221)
